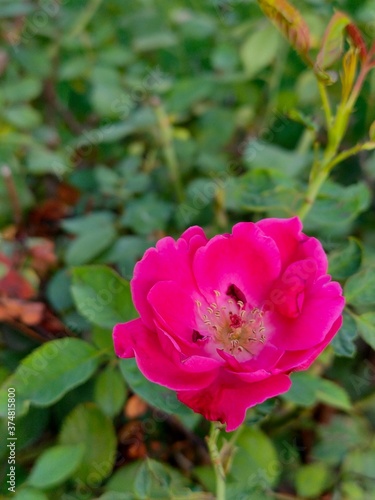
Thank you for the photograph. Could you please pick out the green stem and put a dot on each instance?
(216, 461)
(84, 18)
(326, 104)
(367, 146)
(166, 137)
(321, 169)
(312, 193)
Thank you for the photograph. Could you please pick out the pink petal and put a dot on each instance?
(227, 403)
(246, 258)
(168, 261)
(301, 360)
(288, 293)
(286, 233)
(163, 366)
(322, 306)
(175, 309)
(195, 236)
(312, 248)
(292, 243)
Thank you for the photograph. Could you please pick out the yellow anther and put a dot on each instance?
(210, 310)
(198, 302)
(217, 293)
(214, 305)
(240, 303)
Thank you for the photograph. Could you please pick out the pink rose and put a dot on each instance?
(225, 321)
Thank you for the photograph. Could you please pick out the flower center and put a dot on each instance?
(231, 324)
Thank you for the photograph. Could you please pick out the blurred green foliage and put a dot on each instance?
(121, 122)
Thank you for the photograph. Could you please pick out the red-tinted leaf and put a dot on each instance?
(43, 256)
(290, 22)
(12, 284)
(29, 313)
(333, 41)
(357, 39)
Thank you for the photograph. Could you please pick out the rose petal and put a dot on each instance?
(246, 258)
(174, 309)
(302, 360)
(292, 243)
(323, 305)
(227, 401)
(162, 365)
(168, 261)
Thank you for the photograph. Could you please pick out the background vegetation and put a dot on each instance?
(123, 121)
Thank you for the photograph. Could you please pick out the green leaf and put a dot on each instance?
(36, 419)
(122, 480)
(22, 89)
(311, 480)
(338, 436)
(125, 252)
(87, 223)
(262, 155)
(290, 22)
(333, 41)
(156, 395)
(102, 296)
(187, 92)
(110, 391)
(345, 261)
(361, 463)
(359, 290)
(256, 461)
(156, 480)
(41, 160)
(147, 214)
(336, 208)
(366, 327)
(261, 191)
(88, 426)
(29, 494)
(55, 466)
(138, 121)
(23, 116)
(343, 342)
(90, 244)
(333, 395)
(307, 389)
(50, 371)
(303, 389)
(58, 291)
(259, 50)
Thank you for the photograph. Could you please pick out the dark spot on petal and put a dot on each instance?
(236, 294)
(197, 336)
